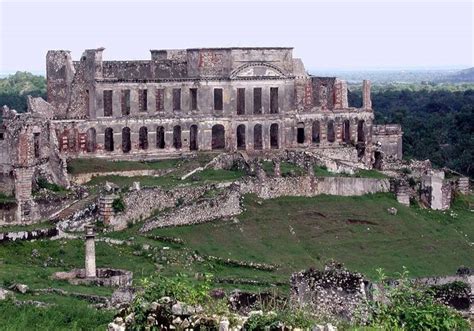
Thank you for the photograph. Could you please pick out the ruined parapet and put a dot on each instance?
(463, 185)
(366, 98)
(436, 192)
(90, 252)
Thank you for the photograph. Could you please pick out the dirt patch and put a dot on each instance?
(310, 214)
(352, 221)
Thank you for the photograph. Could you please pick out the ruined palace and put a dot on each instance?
(255, 100)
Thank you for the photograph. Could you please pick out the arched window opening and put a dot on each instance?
(300, 133)
(331, 132)
(241, 137)
(193, 138)
(274, 135)
(316, 134)
(257, 137)
(109, 140)
(160, 137)
(143, 138)
(177, 137)
(346, 131)
(126, 141)
(361, 131)
(218, 137)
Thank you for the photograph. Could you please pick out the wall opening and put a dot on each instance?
(142, 100)
(160, 137)
(361, 131)
(143, 138)
(109, 140)
(126, 141)
(331, 132)
(160, 99)
(218, 137)
(177, 137)
(176, 99)
(193, 92)
(240, 101)
(300, 135)
(125, 102)
(91, 140)
(193, 137)
(316, 134)
(218, 102)
(87, 100)
(346, 131)
(273, 100)
(107, 103)
(241, 137)
(274, 135)
(36, 143)
(257, 137)
(257, 100)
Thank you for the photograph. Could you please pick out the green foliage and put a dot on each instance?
(295, 318)
(44, 184)
(437, 122)
(407, 306)
(118, 205)
(15, 88)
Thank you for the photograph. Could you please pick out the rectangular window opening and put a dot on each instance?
(142, 100)
(193, 94)
(107, 102)
(240, 101)
(218, 102)
(125, 101)
(176, 99)
(273, 100)
(160, 99)
(257, 100)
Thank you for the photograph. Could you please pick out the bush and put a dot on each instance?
(408, 306)
(44, 184)
(118, 205)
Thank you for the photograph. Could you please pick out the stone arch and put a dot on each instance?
(218, 137)
(331, 131)
(177, 137)
(91, 140)
(193, 137)
(361, 131)
(346, 131)
(143, 138)
(126, 141)
(316, 132)
(257, 70)
(274, 136)
(160, 137)
(109, 140)
(241, 144)
(300, 134)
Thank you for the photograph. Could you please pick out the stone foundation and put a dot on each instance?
(105, 277)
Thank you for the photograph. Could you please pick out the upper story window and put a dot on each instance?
(36, 144)
(125, 102)
(257, 100)
(241, 101)
(273, 100)
(107, 102)
(142, 100)
(160, 99)
(194, 95)
(176, 99)
(218, 102)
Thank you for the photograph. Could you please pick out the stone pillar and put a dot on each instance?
(403, 197)
(366, 99)
(90, 252)
(309, 168)
(463, 185)
(276, 168)
(106, 212)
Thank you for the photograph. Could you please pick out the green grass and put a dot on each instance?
(169, 181)
(78, 166)
(286, 168)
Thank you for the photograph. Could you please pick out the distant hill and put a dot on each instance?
(462, 76)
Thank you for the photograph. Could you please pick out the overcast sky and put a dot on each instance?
(326, 35)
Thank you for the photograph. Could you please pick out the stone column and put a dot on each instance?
(366, 99)
(90, 252)
(106, 211)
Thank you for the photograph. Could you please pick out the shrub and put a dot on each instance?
(118, 205)
(408, 306)
(43, 183)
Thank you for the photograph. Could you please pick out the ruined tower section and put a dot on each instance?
(59, 77)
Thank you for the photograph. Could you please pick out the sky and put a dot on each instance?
(327, 35)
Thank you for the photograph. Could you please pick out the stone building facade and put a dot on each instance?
(179, 102)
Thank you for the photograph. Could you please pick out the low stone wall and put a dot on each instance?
(226, 204)
(350, 186)
(105, 277)
(8, 213)
(80, 179)
(28, 235)
(141, 204)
